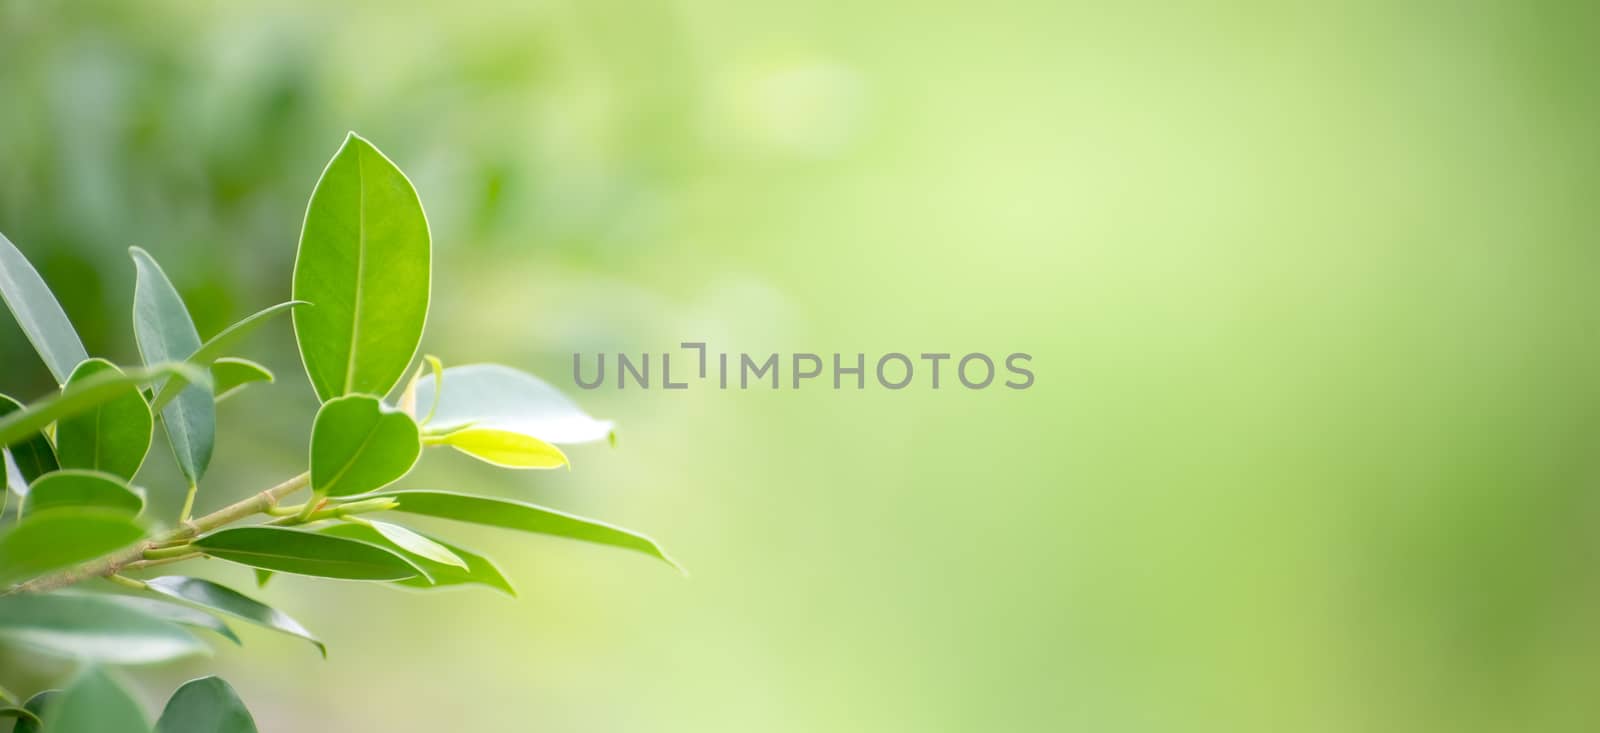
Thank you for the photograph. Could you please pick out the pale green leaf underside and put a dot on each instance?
(93, 628)
(496, 396)
(212, 350)
(165, 333)
(38, 313)
(225, 600)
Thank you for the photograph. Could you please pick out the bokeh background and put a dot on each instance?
(1309, 289)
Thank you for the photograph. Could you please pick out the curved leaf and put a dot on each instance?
(205, 705)
(479, 570)
(78, 488)
(495, 396)
(176, 613)
(165, 333)
(94, 703)
(416, 544)
(524, 517)
(212, 350)
(306, 553)
(36, 706)
(87, 394)
(231, 374)
(225, 600)
(38, 313)
(113, 436)
(359, 445)
(504, 448)
(364, 260)
(61, 538)
(93, 628)
(20, 713)
(33, 455)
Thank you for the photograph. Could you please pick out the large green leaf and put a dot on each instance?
(306, 553)
(165, 333)
(359, 445)
(35, 705)
(479, 570)
(94, 703)
(93, 628)
(524, 517)
(60, 538)
(182, 615)
(503, 448)
(212, 350)
(205, 705)
(79, 488)
(85, 395)
(231, 374)
(113, 436)
(495, 396)
(38, 313)
(33, 455)
(364, 262)
(225, 600)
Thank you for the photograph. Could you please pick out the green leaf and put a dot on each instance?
(76, 398)
(38, 313)
(495, 396)
(224, 600)
(479, 570)
(359, 445)
(524, 517)
(78, 488)
(262, 576)
(165, 333)
(36, 706)
(94, 703)
(113, 436)
(306, 553)
(205, 705)
(231, 374)
(213, 349)
(175, 613)
(503, 448)
(416, 544)
(21, 714)
(60, 538)
(93, 628)
(33, 455)
(364, 261)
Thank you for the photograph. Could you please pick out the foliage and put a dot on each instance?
(75, 553)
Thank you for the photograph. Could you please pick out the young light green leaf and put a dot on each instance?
(38, 313)
(524, 517)
(221, 599)
(205, 705)
(73, 487)
(495, 396)
(33, 456)
(503, 448)
(35, 705)
(417, 544)
(165, 333)
(364, 260)
(60, 538)
(212, 350)
(231, 374)
(359, 445)
(306, 553)
(113, 436)
(479, 570)
(76, 398)
(94, 703)
(93, 628)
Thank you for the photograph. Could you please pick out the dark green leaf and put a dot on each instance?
(364, 262)
(165, 333)
(35, 705)
(480, 570)
(175, 613)
(524, 517)
(360, 445)
(231, 374)
(305, 553)
(94, 703)
(20, 713)
(93, 628)
(112, 437)
(495, 396)
(38, 313)
(205, 705)
(77, 488)
(33, 455)
(222, 599)
(213, 349)
(60, 538)
(76, 398)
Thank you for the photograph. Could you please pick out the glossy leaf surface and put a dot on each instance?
(94, 703)
(93, 628)
(60, 538)
(33, 456)
(479, 570)
(76, 398)
(306, 553)
(39, 313)
(113, 436)
(214, 349)
(70, 488)
(205, 705)
(504, 448)
(225, 600)
(231, 374)
(495, 396)
(165, 333)
(359, 445)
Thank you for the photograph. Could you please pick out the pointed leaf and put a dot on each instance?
(174, 613)
(364, 261)
(205, 705)
(78, 397)
(38, 313)
(479, 570)
(14, 480)
(416, 544)
(78, 488)
(359, 445)
(221, 599)
(165, 333)
(33, 455)
(504, 448)
(93, 628)
(113, 436)
(35, 705)
(306, 553)
(231, 374)
(21, 714)
(94, 703)
(60, 538)
(213, 349)
(495, 396)
(524, 517)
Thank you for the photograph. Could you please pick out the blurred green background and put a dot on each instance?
(1308, 286)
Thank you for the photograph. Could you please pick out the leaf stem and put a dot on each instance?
(188, 503)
